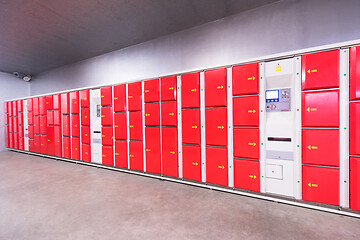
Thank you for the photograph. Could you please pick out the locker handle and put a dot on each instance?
(279, 139)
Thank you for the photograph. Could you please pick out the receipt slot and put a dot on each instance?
(280, 123)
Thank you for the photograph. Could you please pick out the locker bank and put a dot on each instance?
(281, 127)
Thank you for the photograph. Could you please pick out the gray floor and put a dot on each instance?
(46, 199)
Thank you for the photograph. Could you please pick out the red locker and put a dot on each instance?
(57, 117)
(58, 141)
(37, 143)
(50, 117)
(43, 144)
(30, 104)
(66, 147)
(151, 91)
(191, 128)
(355, 183)
(247, 174)
(191, 162)
(152, 114)
(10, 109)
(31, 131)
(21, 131)
(21, 143)
(7, 136)
(43, 124)
(246, 111)
(120, 98)
(16, 140)
(65, 103)
(354, 73)
(245, 79)
(6, 107)
(7, 118)
(85, 134)
(42, 106)
(86, 152)
(136, 155)
(66, 125)
(246, 143)
(20, 105)
(215, 88)
(106, 116)
(135, 125)
(75, 126)
(50, 140)
(15, 108)
(30, 118)
(11, 140)
(74, 99)
(108, 155)
(320, 70)
(49, 102)
(16, 124)
(107, 136)
(321, 185)
(84, 98)
(36, 106)
(354, 128)
(31, 145)
(169, 114)
(217, 165)
(21, 118)
(57, 101)
(75, 148)
(216, 126)
(120, 126)
(106, 96)
(321, 147)
(190, 90)
(320, 109)
(169, 146)
(121, 154)
(85, 116)
(134, 96)
(168, 88)
(152, 149)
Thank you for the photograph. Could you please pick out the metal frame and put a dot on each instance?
(202, 123)
(298, 131)
(179, 127)
(143, 123)
(262, 121)
(127, 126)
(230, 128)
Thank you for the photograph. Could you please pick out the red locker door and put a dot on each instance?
(11, 140)
(169, 148)
(135, 125)
(31, 131)
(75, 126)
(84, 98)
(190, 90)
(168, 88)
(58, 141)
(217, 165)
(67, 147)
(42, 106)
(6, 118)
(216, 126)
(246, 111)
(20, 105)
(107, 136)
(43, 124)
(321, 147)
(30, 105)
(320, 70)
(21, 143)
(191, 162)
(245, 79)
(120, 126)
(134, 96)
(36, 106)
(86, 152)
(16, 140)
(153, 154)
(21, 118)
(16, 124)
(215, 88)
(75, 147)
(169, 114)
(66, 125)
(247, 174)
(15, 108)
(7, 136)
(354, 73)
(152, 114)
(355, 183)
(106, 116)
(136, 155)
(57, 101)
(151, 91)
(321, 185)
(6, 107)
(191, 126)
(21, 131)
(65, 103)
(50, 117)
(120, 98)
(31, 145)
(106, 96)
(49, 102)
(30, 118)
(121, 154)
(50, 140)
(85, 134)
(108, 155)
(57, 117)
(37, 143)
(74, 98)
(43, 144)
(320, 109)
(85, 116)
(355, 128)
(246, 143)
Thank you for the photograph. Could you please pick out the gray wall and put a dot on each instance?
(275, 28)
(10, 88)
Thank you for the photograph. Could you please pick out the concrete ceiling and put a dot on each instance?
(37, 35)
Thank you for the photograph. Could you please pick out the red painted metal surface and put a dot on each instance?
(75, 125)
(246, 143)
(106, 116)
(107, 136)
(246, 111)
(75, 105)
(85, 134)
(120, 126)
(169, 147)
(106, 96)
(66, 125)
(152, 114)
(65, 103)
(108, 155)
(245, 79)
(168, 114)
(136, 155)
(135, 125)
(216, 126)
(217, 165)
(85, 116)
(75, 147)
(190, 90)
(151, 91)
(84, 98)
(121, 156)
(86, 152)
(191, 128)
(191, 162)
(56, 101)
(152, 149)
(168, 88)
(134, 96)
(120, 98)
(215, 88)
(247, 174)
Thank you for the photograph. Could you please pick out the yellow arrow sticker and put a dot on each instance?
(148, 150)
(171, 114)
(252, 176)
(313, 185)
(311, 71)
(102, 115)
(147, 114)
(309, 109)
(251, 78)
(116, 126)
(193, 90)
(194, 127)
(104, 155)
(278, 69)
(85, 135)
(85, 116)
(172, 152)
(252, 111)
(221, 167)
(115, 98)
(312, 147)
(220, 87)
(252, 144)
(86, 153)
(130, 96)
(146, 91)
(131, 126)
(131, 155)
(195, 163)
(102, 96)
(103, 135)
(221, 127)
(116, 154)
(171, 88)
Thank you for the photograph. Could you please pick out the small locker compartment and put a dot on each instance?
(215, 88)
(247, 174)
(151, 90)
(168, 88)
(245, 79)
(217, 165)
(190, 90)
(191, 162)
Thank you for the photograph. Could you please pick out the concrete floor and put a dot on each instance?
(46, 199)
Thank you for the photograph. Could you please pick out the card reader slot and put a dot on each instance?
(279, 139)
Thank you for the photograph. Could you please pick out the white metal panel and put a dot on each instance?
(26, 126)
(127, 125)
(230, 128)
(262, 121)
(298, 131)
(143, 124)
(202, 123)
(180, 159)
